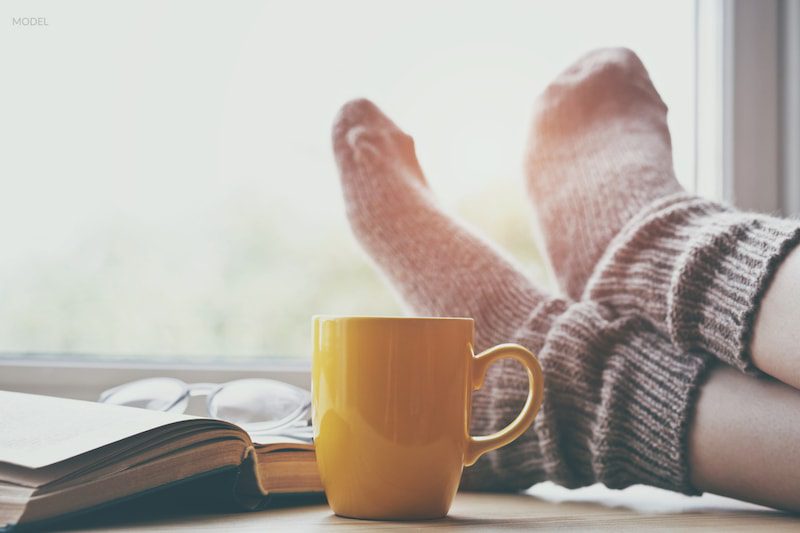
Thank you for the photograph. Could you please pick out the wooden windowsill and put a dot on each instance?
(545, 506)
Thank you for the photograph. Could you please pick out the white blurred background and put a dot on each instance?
(167, 183)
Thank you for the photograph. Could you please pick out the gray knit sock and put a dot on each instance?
(600, 168)
(698, 270)
(618, 397)
(599, 151)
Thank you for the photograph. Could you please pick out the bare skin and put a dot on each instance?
(776, 338)
(745, 439)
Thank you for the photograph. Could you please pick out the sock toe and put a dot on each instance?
(359, 115)
(363, 134)
(603, 82)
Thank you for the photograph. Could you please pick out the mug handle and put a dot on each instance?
(477, 446)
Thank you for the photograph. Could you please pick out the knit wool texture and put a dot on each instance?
(599, 151)
(619, 228)
(696, 269)
(618, 395)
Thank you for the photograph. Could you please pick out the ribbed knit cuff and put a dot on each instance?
(721, 281)
(698, 270)
(618, 404)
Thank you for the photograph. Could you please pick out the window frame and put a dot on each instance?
(748, 106)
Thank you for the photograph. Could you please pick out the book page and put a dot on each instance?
(281, 442)
(36, 431)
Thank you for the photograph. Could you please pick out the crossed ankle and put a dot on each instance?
(618, 400)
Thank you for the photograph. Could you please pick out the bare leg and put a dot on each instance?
(776, 337)
(745, 439)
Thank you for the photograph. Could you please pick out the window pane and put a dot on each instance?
(168, 183)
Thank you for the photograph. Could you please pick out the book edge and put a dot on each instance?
(38, 524)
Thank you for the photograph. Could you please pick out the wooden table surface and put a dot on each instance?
(544, 507)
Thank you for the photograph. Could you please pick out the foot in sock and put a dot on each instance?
(600, 176)
(397, 220)
(599, 151)
(618, 397)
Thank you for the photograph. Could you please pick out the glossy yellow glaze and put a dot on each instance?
(392, 407)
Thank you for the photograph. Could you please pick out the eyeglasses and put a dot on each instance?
(262, 407)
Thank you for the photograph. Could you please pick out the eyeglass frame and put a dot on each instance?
(210, 390)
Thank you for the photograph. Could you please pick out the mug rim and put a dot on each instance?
(387, 318)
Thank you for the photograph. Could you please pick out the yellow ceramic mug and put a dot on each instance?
(391, 411)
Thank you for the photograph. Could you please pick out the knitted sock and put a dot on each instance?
(600, 168)
(441, 268)
(599, 151)
(696, 269)
(618, 397)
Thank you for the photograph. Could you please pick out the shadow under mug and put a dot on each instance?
(391, 412)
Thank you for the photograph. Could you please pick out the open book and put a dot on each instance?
(61, 456)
